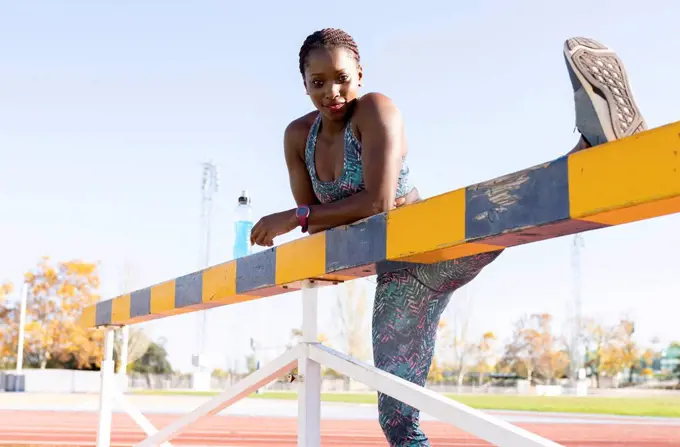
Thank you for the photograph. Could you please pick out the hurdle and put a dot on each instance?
(628, 180)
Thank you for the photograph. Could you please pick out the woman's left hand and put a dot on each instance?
(267, 228)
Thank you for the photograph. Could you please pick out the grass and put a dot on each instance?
(663, 406)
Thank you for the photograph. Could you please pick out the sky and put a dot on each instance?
(108, 109)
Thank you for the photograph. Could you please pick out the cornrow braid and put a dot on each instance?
(327, 38)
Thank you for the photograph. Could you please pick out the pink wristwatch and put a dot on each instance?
(302, 213)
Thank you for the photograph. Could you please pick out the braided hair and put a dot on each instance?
(327, 38)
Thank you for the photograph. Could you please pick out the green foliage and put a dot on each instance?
(154, 361)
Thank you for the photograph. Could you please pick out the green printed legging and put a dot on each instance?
(408, 305)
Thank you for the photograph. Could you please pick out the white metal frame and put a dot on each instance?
(309, 355)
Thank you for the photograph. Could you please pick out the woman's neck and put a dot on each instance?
(332, 127)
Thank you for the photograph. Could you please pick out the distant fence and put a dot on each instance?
(328, 384)
(71, 381)
(62, 381)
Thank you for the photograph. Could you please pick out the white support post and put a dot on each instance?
(124, 342)
(107, 389)
(309, 389)
(489, 428)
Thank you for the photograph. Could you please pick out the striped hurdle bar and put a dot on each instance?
(624, 181)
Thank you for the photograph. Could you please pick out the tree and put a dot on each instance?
(622, 351)
(597, 339)
(534, 351)
(647, 358)
(436, 372)
(629, 347)
(57, 294)
(154, 361)
(7, 326)
(138, 345)
(484, 353)
(612, 349)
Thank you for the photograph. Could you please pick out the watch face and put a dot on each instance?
(302, 211)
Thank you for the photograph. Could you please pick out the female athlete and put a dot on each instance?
(346, 162)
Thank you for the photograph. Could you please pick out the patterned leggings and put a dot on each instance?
(408, 305)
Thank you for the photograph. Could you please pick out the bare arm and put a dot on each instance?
(300, 183)
(381, 129)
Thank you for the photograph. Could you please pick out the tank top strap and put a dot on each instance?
(352, 143)
(311, 146)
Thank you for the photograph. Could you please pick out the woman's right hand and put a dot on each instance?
(409, 198)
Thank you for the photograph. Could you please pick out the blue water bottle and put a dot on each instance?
(243, 223)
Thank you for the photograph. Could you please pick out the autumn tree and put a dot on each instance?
(629, 348)
(57, 294)
(648, 357)
(484, 355)
(7, 326)
(597, 339)
(436, 372)
(534, 351)
(622, 351)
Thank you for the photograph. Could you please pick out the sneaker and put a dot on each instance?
(605, 108)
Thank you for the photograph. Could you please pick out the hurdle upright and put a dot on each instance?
(628, 180)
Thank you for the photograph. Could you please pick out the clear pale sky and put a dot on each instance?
(108, 109)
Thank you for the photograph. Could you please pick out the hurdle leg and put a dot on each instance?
(309, 394)
(137, 416)
(487, 427)
(106, 391)
(278, 367)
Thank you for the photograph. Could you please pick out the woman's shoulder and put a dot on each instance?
(376, 106)
(295, 135)
(300, 126)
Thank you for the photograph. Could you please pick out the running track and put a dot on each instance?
(78, 429)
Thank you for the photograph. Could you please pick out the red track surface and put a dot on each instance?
(79, 429)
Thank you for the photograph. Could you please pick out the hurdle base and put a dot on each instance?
(309, 356)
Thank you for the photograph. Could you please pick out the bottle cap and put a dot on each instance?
(244, 199)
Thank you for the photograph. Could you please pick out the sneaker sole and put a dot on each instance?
(605, 108)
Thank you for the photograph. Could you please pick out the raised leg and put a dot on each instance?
(407, 308)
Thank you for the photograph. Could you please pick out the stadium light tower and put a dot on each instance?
(210, 185)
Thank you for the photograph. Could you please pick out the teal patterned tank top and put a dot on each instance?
(351, 181)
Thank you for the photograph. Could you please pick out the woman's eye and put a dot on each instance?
(317, 83)
(343, 78)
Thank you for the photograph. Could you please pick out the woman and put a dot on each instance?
(346, 162)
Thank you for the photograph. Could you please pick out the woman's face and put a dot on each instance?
(332, 80)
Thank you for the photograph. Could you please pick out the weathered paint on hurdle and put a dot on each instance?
(624, 181)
